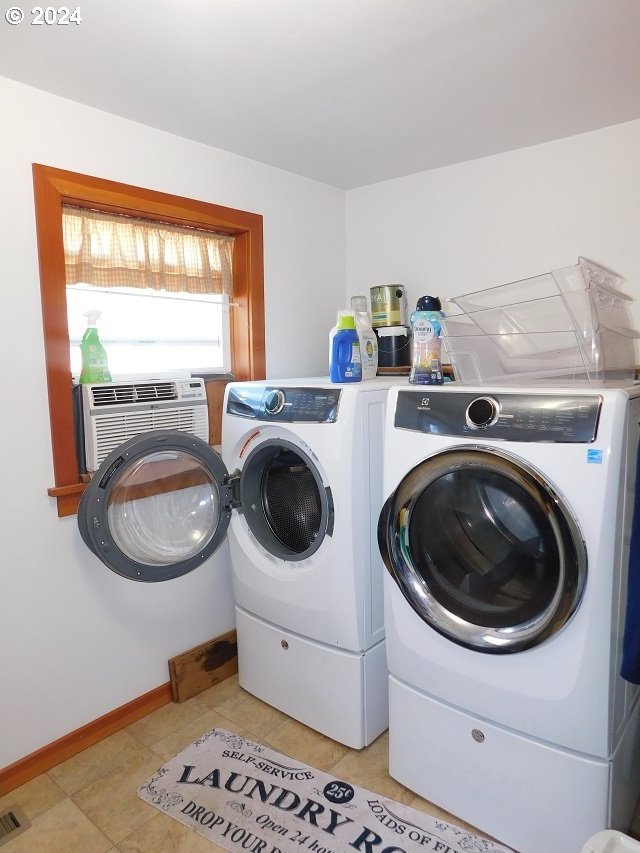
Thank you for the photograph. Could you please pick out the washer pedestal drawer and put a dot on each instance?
(527, 794)
(341, 694)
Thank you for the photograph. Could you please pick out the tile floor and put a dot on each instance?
(88, 804)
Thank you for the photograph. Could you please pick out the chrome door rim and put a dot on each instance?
(393, 540)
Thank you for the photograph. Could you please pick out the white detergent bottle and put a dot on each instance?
(366, 337)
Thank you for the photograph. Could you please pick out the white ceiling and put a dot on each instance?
(348, 92)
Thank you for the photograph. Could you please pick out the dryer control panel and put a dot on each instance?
(301, 404)
(498, 415)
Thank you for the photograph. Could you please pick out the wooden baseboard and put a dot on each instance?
(43, 759)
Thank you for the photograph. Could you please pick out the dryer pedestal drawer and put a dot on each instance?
(527, 794)
(341, 694)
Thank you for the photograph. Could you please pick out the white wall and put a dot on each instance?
(487, 222)
(77, 640)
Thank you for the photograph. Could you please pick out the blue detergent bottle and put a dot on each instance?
(346, 361)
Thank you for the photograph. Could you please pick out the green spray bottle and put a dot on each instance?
(94, 357)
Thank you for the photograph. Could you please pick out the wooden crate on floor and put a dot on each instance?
(208, 664)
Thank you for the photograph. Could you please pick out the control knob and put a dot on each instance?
(274, 402)
(482, 412)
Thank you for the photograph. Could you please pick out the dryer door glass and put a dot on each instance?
(483, 550)
(286, 504)
(157, 507)
(163, 508)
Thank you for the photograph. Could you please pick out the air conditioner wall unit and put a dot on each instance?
(112, 412)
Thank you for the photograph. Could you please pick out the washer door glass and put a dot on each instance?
(158, 506)
(287, 506)
(483, 550)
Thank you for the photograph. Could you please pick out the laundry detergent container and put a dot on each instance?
(570, 325)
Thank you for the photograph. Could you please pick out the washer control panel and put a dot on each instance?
(284, 405)
(501, 415)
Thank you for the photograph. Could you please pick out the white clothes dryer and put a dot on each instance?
(506, 534)
(299, 484)
(307, 573)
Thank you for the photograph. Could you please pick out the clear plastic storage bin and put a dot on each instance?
(569, 325)
(611, 841)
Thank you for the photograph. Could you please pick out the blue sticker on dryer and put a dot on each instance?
(594, 457)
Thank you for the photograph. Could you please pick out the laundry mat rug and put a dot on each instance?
(247, 797)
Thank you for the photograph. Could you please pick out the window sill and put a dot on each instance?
(67, 497)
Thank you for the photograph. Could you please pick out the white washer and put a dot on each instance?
(307, 573)
(506, 537)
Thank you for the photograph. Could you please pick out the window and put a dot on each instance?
(161, 293)
(152, 335)
(54, 188)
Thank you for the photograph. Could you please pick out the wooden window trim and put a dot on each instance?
(55, 187)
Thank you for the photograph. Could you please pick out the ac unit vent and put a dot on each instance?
(139, 392)
(115, 412)
(112, 430)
